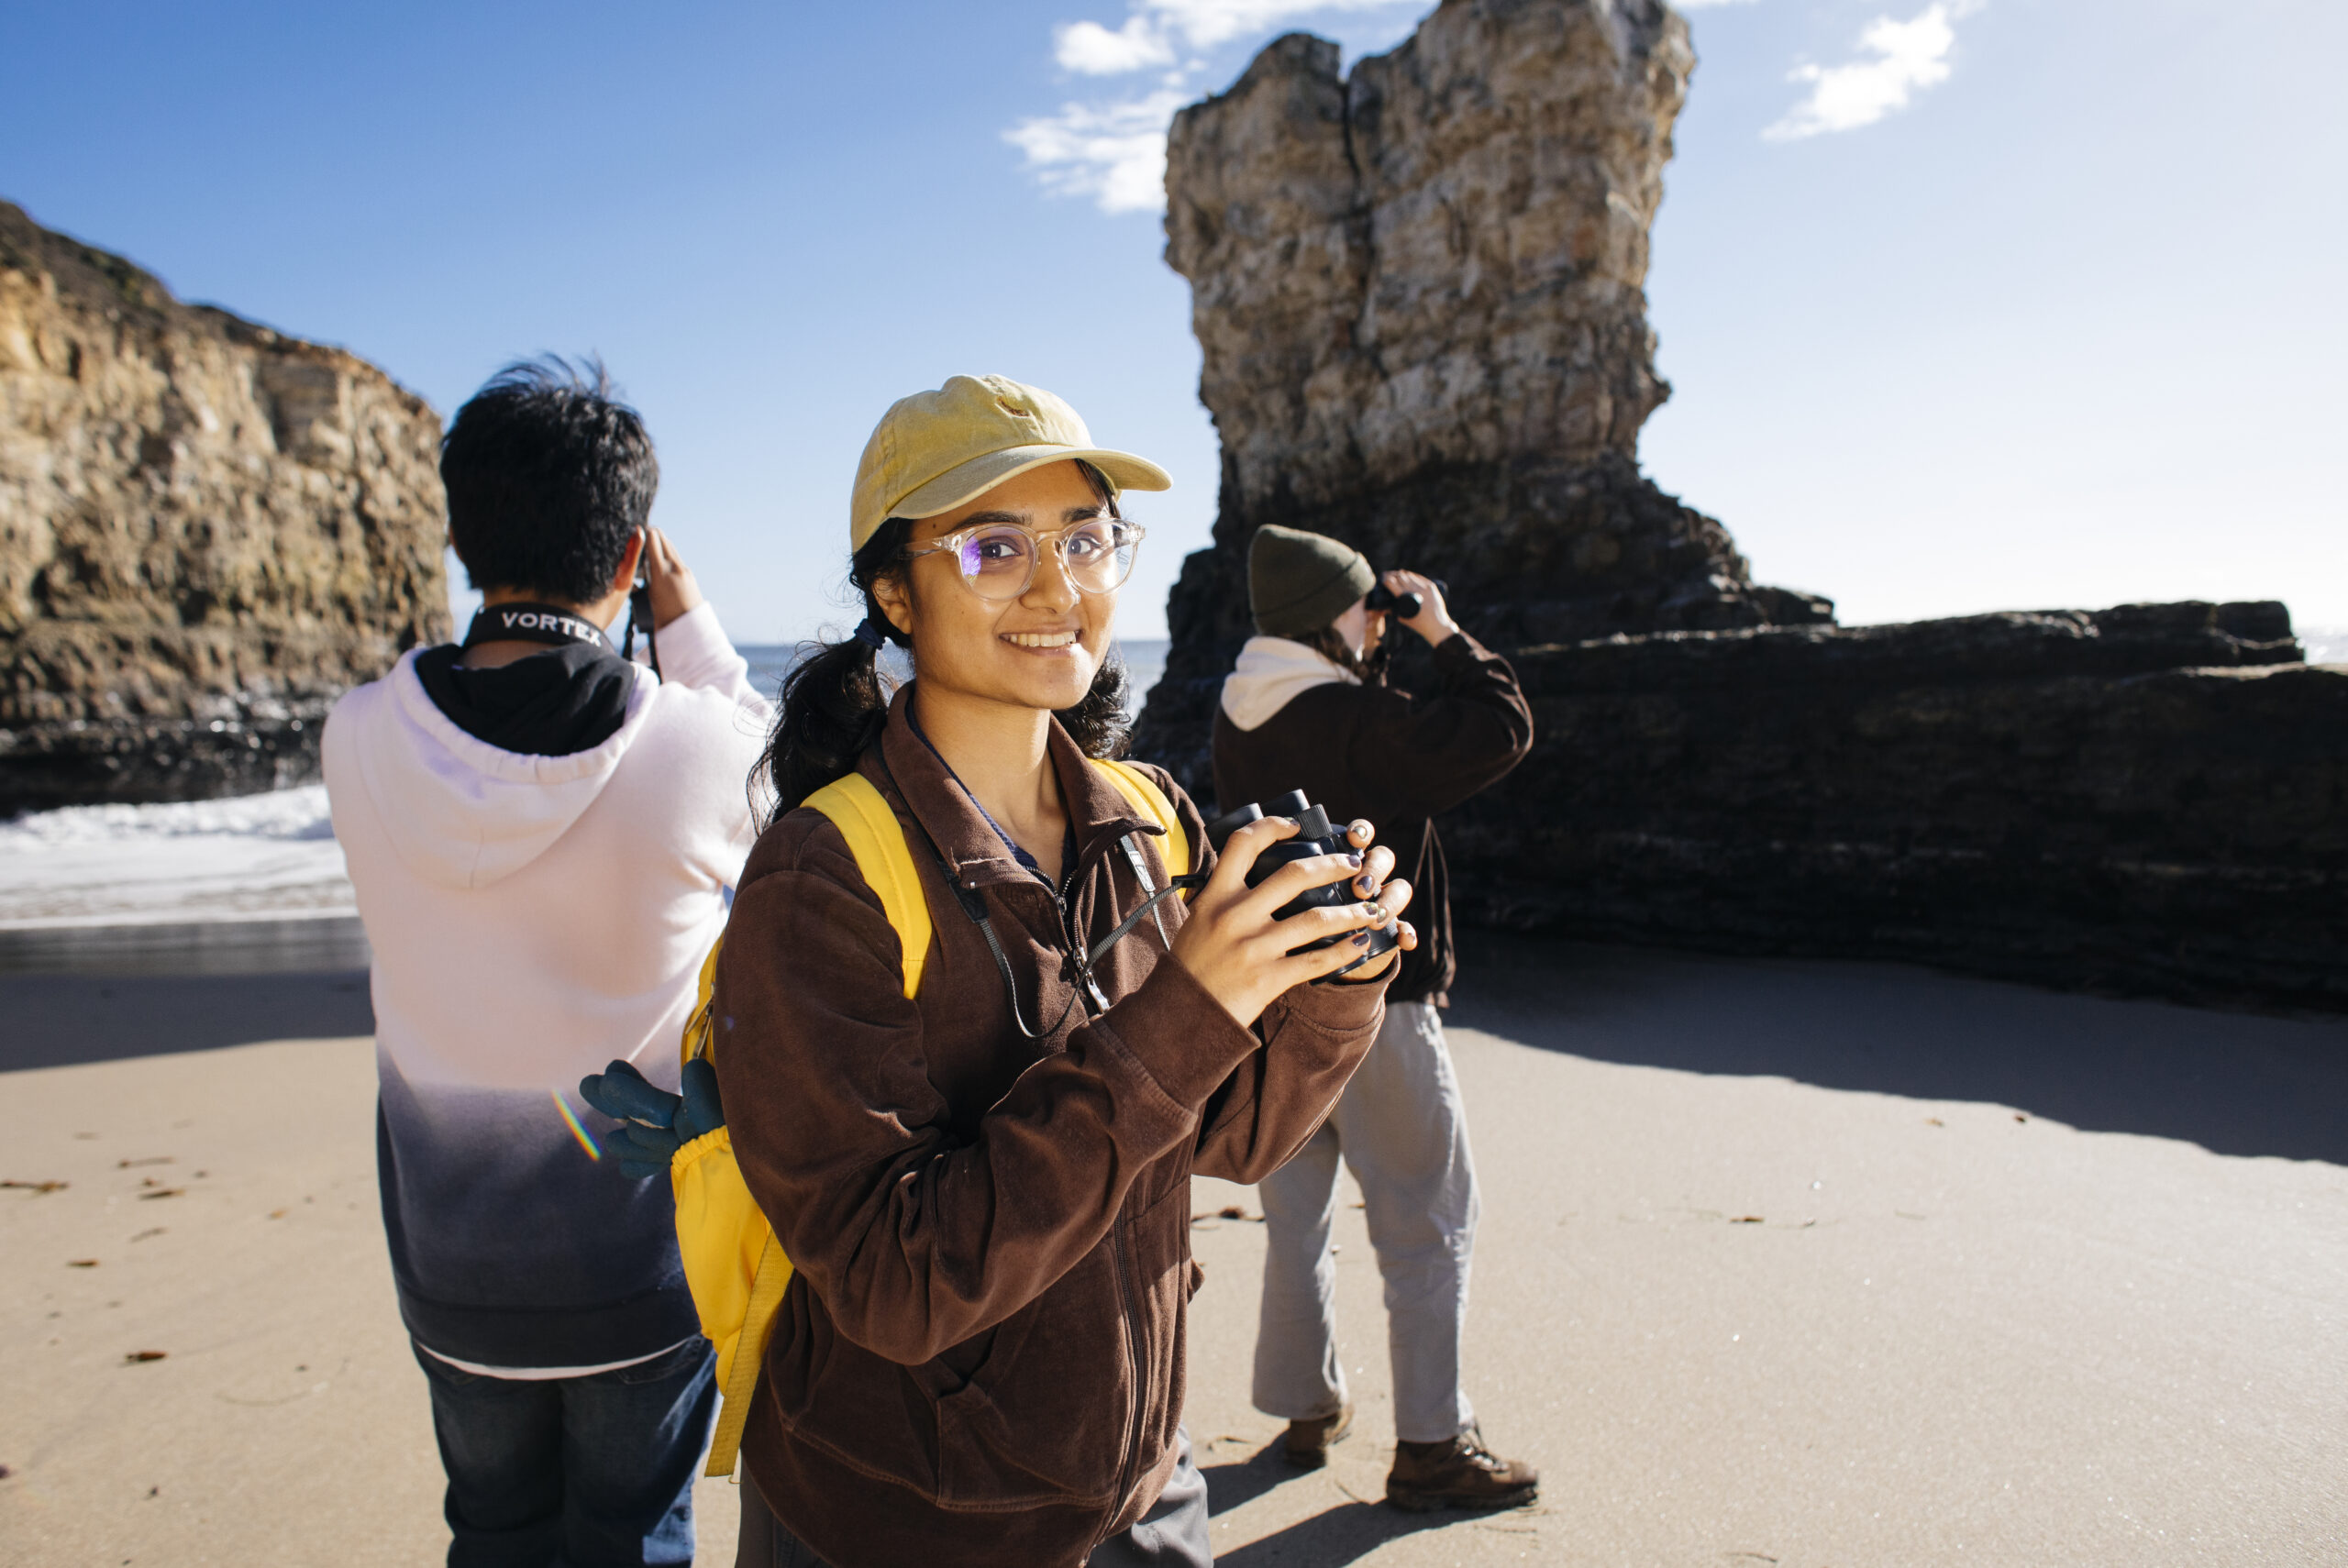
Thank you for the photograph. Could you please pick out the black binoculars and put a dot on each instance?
(1404, 605)
(1315, 834)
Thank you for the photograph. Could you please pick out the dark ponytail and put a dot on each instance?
(1370, 669)
(835, 701)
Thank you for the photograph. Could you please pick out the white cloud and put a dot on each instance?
(1908, 57)
(1115, 153)
(1150, 33)
(1205, 23)
(1699, 5)
(1091, 50)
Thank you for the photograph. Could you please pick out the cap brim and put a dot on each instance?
(960, 485)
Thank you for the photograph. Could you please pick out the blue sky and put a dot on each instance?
(1968, 305)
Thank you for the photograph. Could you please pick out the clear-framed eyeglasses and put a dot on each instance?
(997, 560)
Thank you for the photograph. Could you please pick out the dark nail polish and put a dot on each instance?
(1355, 858)
(1361, 939)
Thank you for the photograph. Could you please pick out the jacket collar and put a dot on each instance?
(937, 801)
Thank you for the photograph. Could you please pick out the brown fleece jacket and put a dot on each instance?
(1396, 759)
(981, 1358)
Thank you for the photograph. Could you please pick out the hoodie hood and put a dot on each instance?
(460, 812)
(1273, 672)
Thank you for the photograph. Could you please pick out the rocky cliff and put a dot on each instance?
(1419, 290)
(207, 530)
(2152, 799)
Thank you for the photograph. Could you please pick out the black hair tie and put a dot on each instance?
(870, 636)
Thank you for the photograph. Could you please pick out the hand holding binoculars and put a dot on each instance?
(1403, 607)
(1315, 835)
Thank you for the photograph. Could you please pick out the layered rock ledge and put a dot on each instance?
(2152, 799)
(207, 531)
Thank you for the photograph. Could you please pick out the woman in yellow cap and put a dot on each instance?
(985, 1185)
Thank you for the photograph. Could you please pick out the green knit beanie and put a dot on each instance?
(1298, 582)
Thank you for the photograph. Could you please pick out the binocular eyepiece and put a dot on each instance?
(1404, 605)
(1315, 835)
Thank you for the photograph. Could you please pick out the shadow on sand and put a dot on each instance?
(111, 993)
(1343, 1534)
(2234, 1083)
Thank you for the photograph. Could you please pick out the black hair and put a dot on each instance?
(835, 701)
(549, 477)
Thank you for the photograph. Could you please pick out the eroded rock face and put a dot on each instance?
(207, 531)
(2150, 799)
(1440, 260)
(1420, 292)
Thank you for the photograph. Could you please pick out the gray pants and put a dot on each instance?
(1402, 1128)
(1173, 1534)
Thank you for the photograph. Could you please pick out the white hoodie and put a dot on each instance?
(1272, 673)
(532, 919)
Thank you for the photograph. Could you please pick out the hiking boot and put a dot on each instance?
(1307, 1445)
(1460, 1473)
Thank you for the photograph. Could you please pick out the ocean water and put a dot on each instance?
(248, 858)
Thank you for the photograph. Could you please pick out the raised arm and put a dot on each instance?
(1428, 753)
(694, 649)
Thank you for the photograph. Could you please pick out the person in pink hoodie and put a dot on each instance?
(543, 836)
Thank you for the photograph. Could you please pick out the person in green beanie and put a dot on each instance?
(1308, 707)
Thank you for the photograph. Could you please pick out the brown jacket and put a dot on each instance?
(1396, 759)
(981, 1358)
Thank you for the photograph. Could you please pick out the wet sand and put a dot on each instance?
(1810, 1263)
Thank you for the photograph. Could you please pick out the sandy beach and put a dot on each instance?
(1793, 1262)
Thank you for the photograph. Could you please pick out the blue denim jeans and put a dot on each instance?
(576, 1472)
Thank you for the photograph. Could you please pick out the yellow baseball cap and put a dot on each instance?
(936, 450)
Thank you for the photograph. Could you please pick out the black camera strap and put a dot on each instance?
(974, 905)
(639, 613)
(527, 623)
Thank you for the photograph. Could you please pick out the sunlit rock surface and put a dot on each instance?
(207, 530)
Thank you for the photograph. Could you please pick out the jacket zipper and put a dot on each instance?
(1132, 1366)
(1117, 1255)
(1095, 1001)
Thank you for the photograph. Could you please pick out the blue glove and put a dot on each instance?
(654, 1124)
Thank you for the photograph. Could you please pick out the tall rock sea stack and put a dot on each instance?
(1418, 289)
(1420, 292)
(207, 530)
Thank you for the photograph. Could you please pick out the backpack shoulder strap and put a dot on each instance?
(877, 839)
(1149, 799)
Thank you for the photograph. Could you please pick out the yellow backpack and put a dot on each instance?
(734, 1264)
